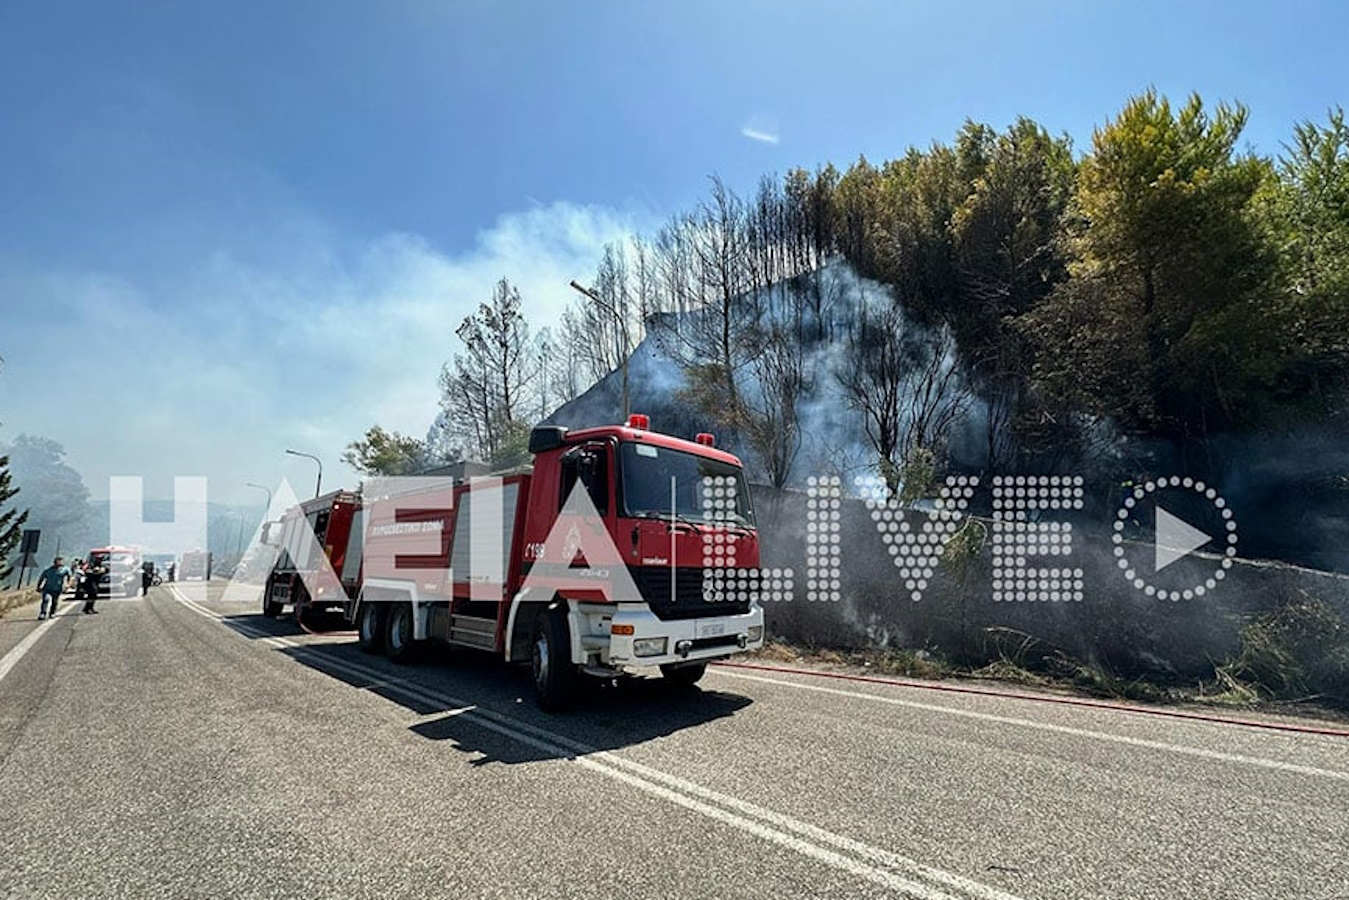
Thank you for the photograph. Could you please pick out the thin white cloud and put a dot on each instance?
(761, 136)
(762, 128)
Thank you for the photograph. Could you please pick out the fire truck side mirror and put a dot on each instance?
(546, 437)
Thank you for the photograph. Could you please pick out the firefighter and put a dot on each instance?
(91, 579)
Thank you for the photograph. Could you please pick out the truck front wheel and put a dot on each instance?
(685, 674)
(370, 627)
(554, 677)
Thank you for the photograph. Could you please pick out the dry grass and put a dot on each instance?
(1006, 671)
(14, 599)
(776, 651)
(908, 663)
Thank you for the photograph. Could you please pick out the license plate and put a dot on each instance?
(711, 629)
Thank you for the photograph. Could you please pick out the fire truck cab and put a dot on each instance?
(619, 549)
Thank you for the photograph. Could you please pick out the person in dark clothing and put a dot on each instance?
(91, 579)
(147, 577)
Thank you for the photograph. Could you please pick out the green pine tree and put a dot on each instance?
(11, 520)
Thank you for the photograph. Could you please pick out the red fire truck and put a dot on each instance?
(603, 557)
(319, 561)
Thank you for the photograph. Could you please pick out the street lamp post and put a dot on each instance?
(265, 512)
(263, 487)
(318, 485)
(623, 324)
(239, 541)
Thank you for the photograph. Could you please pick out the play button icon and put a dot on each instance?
(1174, 539)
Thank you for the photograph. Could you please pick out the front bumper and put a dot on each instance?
(685, 640)
(119, 586)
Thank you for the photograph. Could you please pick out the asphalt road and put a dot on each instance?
(179, 747)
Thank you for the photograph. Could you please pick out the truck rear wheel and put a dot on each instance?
(370, 627)
(555, 680)
(398, 633)
(685, 674)
(270, 608)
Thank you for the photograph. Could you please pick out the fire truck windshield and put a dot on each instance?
(658, 481)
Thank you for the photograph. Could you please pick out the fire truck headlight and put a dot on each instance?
(650, 646)
(755, 634)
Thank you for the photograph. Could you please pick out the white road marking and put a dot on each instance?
(269, 639)
(883, 867)
(1218, 755)
(13, 656)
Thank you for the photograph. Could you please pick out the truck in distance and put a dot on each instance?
(195, 566)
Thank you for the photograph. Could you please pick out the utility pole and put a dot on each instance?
(623, 326)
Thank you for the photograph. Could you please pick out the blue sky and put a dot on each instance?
(232, 228)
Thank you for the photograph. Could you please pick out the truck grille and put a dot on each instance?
(727, 593)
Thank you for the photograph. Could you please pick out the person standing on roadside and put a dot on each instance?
(50, 584)
(77, 577)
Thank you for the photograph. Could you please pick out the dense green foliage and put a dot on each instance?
(1163, 284)
(382, 452)
(11, 519)
(1164, 281)
(55, 494)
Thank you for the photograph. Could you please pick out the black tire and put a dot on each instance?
(398, 642)
(299, 603)
(555, 679)
(270, 608)
(370, 627)
(684, 674)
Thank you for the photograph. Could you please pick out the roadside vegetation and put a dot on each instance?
(1294, 659)
(13, 599)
